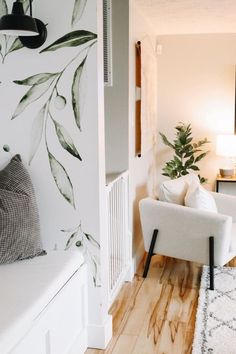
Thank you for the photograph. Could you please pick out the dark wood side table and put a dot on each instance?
(220, 179)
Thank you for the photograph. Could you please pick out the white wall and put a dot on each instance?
(116, 96)
(196, 83)
(143, 169)
(87, 177)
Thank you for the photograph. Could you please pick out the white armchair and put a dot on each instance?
(190, 234)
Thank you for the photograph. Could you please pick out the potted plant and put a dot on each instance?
(186, 153)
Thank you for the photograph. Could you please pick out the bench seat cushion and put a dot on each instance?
(27, 287)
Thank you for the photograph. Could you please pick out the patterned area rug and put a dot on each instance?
(215, 330)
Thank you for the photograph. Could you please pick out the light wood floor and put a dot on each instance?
(156, 315)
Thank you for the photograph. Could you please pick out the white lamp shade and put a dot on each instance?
(226, 145)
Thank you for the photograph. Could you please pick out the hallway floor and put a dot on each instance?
(156, 314)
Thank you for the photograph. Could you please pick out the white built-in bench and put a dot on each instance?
(43, 305)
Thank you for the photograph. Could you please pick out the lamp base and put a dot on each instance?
(34, 42)
(226, 172)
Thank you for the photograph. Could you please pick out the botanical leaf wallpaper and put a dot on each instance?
(78, 11)
(42, 94)
(10, 44)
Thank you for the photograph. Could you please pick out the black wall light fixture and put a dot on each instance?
(31, 31)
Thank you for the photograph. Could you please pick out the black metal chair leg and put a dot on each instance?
(150, 253)
(211, 261)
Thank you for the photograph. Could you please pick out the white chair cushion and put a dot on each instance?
(233, 238)
(174, 191)
(199, 198)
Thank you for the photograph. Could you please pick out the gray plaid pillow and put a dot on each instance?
(19, 219)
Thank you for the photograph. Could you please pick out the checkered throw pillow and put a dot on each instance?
(19, 219)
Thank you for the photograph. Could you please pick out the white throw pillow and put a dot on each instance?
(199, 198)
(174, 191)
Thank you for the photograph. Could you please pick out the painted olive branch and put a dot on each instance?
(60, 175)
(46, 84)
(89, 246)
(51, 81)
(55, 93)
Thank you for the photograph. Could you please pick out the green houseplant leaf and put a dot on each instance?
(71, 39)
(65, 140)
(166, 141)
(76, 91)
(61, 179)
(37, 132)
(194, 168)
(78, 10)
(185, 151)
(200, 157)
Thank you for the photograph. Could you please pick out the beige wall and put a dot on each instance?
(142, 170)
(196, 85)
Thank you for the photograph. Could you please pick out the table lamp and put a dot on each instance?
(226, 146)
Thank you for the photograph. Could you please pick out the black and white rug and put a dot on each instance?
(215, 329)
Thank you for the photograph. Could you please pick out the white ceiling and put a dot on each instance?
(190, 16)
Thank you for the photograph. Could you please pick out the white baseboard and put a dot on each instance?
(81, 343)
(138, 256)
(100, 335)
(135, 261)
(130, 272)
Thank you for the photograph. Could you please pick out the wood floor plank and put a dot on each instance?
(166, 322)
(124, 303)
(141, 304)
(125, 344)
(156, 315)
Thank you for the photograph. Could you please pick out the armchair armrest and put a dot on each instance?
(226, 204)
(184, 232)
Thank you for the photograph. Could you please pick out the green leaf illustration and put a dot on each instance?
(72, 230)
(65, 140)
(16, 45)
(92, 240)
(78, 244)
(33, 94)
(78, 10)
(36, 79)
(70, 240)
(76, 91)
(26, 4)
(37, 132)
(3, 8)
(62, 179)
(95, 269)
(71, 39)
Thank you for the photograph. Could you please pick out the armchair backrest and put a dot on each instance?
(184, 232)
